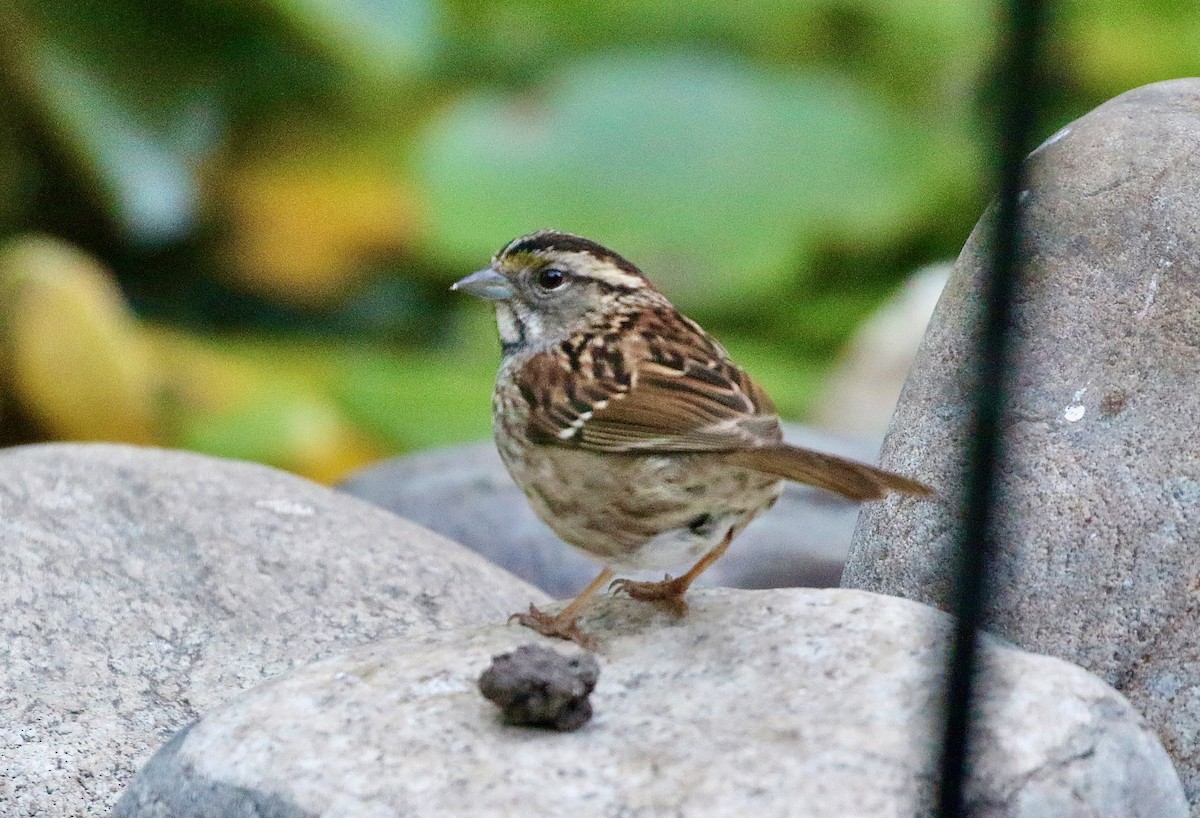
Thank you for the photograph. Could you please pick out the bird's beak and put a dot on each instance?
(487, 284)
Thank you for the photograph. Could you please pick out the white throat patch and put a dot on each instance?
(511, 332)
(518, 327)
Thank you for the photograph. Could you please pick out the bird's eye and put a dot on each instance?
(551, 279)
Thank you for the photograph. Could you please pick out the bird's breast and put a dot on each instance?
(637, 511)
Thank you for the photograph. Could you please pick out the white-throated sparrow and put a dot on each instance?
(631, 431)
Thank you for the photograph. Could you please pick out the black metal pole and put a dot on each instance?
(1018, 95)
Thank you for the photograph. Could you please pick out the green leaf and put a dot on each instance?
(1118, 46)
(139, 94)
(133, 112)
(414, 400)
(716, 177)
(381, 40)
(144, 168)
(17, 175)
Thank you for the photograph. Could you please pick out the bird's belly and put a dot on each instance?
(637, 512)
(677, 547)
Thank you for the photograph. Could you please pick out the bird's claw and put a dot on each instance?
(668, 593)
(555, 627)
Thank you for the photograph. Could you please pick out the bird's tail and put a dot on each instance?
(851, 479)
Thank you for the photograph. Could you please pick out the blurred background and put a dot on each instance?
(230, 226)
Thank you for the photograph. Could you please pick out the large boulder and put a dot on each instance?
(767, 703)
(465, 493)
(141, 588)
(1099, 521)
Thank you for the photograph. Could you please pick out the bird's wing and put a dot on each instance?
(648, 388)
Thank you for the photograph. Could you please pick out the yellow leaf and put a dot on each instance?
(306, 223)
(76, 359)
(251, 399)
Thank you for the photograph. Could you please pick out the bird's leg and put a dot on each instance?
(669, 593)
(563, 625)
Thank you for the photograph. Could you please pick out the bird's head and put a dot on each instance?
(549, 285)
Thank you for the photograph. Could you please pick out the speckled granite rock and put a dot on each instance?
(465, 493)
(767, 703)
(1101, 509)
(143, 587)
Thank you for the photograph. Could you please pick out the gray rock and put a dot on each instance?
(465, 493)
(1100, 517)
(861, 393)
(756, 702)
(143, 587)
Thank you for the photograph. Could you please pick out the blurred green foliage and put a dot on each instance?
(282, 190)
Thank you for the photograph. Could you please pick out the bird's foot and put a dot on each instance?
(668, 593)
(558, 626)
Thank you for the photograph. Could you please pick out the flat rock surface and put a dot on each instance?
(142, 587)
(765, 703)
(465, 493)
(1100, 517)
